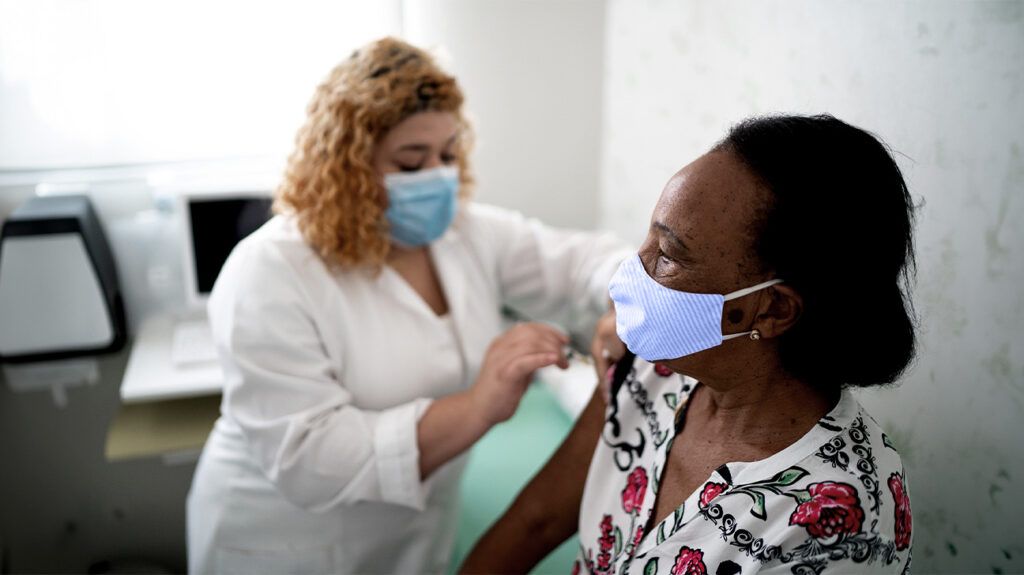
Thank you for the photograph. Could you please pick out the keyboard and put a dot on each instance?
(192, 343)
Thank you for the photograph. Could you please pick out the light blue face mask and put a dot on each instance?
(421, 205)
(657, 323)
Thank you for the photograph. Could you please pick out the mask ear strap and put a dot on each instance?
(747, 291)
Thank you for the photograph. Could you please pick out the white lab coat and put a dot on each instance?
(313, 464)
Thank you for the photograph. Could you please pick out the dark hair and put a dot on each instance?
(839, 230)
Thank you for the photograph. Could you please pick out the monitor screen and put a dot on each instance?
(216, 225)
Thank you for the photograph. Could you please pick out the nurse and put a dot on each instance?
(362, 339)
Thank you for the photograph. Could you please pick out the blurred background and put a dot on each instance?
(583, 110)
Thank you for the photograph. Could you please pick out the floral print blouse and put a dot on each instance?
(834, 501)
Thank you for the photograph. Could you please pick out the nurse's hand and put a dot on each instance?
(453, 423)
(509, 365)
(606, 349)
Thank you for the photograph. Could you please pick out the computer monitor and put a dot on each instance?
(214, 223)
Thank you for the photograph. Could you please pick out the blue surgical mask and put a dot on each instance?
(421, 205)
(657, 323)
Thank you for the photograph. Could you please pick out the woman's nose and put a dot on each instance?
(433, 161)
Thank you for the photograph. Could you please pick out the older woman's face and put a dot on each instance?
(701, 234)
(701, 237)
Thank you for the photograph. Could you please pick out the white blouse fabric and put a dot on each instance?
(835, 501)
(313, 464)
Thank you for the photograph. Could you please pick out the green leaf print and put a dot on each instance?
(660, 437)
(652, 567)
(789, 476)
(661, 534)
(758, 509)
(888, 442)
(618, 541)
(677, 518)
(801, 496)
(672, 400)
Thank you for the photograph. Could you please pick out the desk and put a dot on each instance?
(167, 410)
(152, 376)
(173, 429)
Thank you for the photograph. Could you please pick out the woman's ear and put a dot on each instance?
(779, 312)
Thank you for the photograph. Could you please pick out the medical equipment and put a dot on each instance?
(59, 292)
(215, 221)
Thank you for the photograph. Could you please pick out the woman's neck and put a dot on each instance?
(398, 254)
(766, 409)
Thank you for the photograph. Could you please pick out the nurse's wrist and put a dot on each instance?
(479, 414)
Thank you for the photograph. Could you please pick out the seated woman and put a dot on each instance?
(745, 452)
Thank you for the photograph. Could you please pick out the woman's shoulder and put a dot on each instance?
(273, 258)
(481, 213)
(477, 221)
(280, 233)
(845, 501)
(275, 245)
(840, 503)
(855, 445)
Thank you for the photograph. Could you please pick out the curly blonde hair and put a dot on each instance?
(330, 184)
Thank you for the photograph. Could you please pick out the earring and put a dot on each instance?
(755, 335)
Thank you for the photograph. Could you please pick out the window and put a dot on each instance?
(112, 82)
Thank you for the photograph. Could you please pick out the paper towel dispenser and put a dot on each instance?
(59, 294)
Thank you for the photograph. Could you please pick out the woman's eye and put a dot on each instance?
(667, 263)
(448, 158)
(409, 168)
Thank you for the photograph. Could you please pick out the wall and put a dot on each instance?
(942, 83)
(531, 70)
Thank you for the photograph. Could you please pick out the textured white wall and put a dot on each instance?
(531, 70)
(943, 83)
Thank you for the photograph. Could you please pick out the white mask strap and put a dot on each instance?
(735, 335)
(750, 290)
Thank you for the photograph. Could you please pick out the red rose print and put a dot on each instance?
(639, 535)
(605, 542)
(633, 493)
(662, 370)
(834, 509)
(689, 562)
(607, 539)
(903, 519)
(575, 568)
(711, 490)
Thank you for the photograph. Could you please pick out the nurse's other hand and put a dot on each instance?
(606, 349)
(509, 365)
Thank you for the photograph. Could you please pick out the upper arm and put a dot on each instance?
(546, 511)
(549, 273)
(556, 491)
(551, 500)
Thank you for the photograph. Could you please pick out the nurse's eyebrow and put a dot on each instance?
(672, 236)
(414, 148)
(424, 147)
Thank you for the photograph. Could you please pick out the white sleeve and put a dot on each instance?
(282, 389)
(552, 274)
